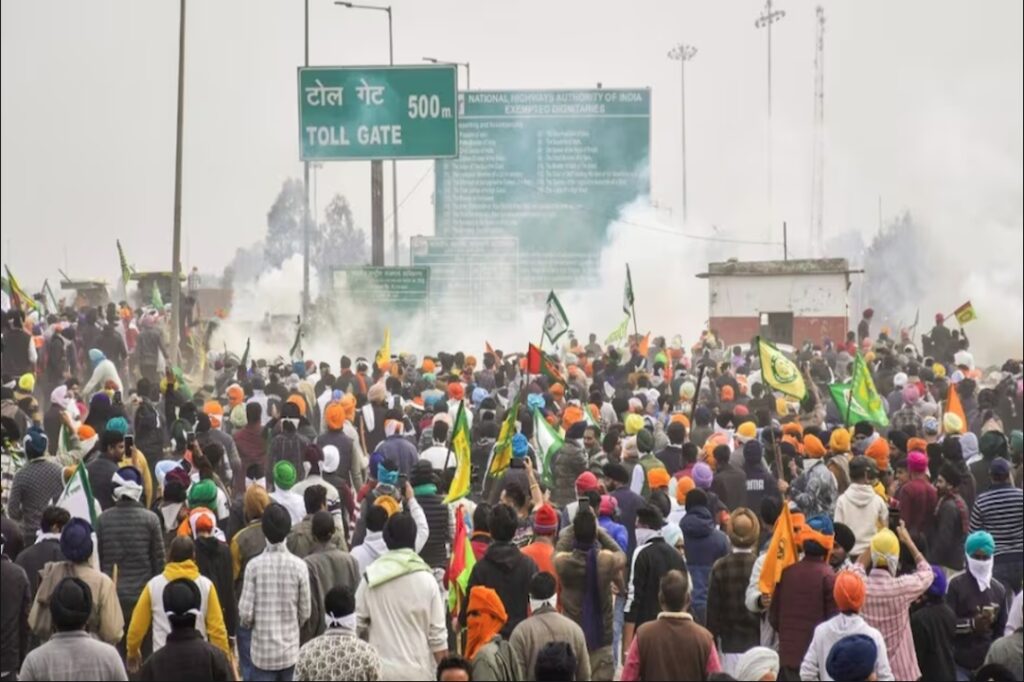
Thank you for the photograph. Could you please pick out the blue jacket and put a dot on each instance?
(616, 530)
(705, 545)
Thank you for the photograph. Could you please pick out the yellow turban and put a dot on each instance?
(839, 441)
(952, 423)
(634, 424)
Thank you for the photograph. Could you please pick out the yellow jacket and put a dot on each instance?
(145, 609)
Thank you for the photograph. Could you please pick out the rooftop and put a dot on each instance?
(771, 268)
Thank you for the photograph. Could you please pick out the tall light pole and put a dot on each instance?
(305, 186)
(434, 60)
(765, 21)
(683, 53)
(394, 167)
(176, 247)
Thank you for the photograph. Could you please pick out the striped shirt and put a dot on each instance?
(275, 602)
(887, 609)
(1000, 511)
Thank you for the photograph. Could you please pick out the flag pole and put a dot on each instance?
(849, 398)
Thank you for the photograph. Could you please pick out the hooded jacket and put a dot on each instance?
(129, 536)
(106, 621)
(507, 571)
(705, 545)
(864, 512)
(570, 462)
(150, 610)
(815, 490)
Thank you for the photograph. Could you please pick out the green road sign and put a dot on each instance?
(551, 168)
(475, 281)
(377, 112)
(390, 290)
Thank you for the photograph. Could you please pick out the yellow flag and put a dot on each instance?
(965, 313)
(384, 354)
(779, 372)
(460, 447)
(780, 554)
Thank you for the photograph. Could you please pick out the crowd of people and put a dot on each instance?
(272, 519)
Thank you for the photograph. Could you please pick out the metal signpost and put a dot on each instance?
(551, 168)
(378, 112)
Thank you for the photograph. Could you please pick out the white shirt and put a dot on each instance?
(436, 455)
(295, 505)
(830, 632)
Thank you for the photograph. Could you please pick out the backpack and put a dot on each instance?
(56, 358)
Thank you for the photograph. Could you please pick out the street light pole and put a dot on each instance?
(176, 247)
(305, 191)
(683, 53)
(765, 21)
(434, 60)
(375, 166)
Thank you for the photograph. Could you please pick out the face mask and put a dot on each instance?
(981, 570)
(537, 603)
(644, 535)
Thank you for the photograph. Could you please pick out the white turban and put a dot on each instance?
(756, 663)
(332, 458)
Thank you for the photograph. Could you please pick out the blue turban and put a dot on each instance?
(535, 401)
(35, 442)
(980, 540)
(938, 586)
(118, 424)
(852, 658)
(479, 394)
(520, 446)
(96, 356)
(822, 524)
(386, 476)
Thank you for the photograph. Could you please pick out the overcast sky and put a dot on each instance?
(923, 108)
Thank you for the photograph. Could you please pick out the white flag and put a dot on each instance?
(77, 496)
(627, 293)
(555, 321)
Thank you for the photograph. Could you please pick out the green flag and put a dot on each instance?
(157, 300)
(502, 455)
(779, 372)
(555, 321)
(858, 400)
(618, 335)
(549, 442)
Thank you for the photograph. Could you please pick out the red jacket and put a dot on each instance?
(802, 600)
(917, 499)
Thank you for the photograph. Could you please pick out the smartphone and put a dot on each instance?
(117, 398)
(894, 519)
(129, 443)
(989, 611)
(190, 437)
(402, 479)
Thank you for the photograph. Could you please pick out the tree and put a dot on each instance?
(284, 223)
(337, 240)
(895, 273)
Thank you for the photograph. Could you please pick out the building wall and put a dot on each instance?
(735, 329)
(803, 295)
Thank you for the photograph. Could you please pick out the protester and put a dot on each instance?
(859, 508)
(14, 610)
(705, 545)
(545, 624)
(47, 545)
(71, 654)
(734, 628)
(490, 654)
(184, 650)
(852, 659)
(36, 485)
(933, 625)
(999, 510)
(329, 567)
(338, 654)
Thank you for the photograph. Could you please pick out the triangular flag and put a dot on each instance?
(953, 404)
(781, 552)
(487, 348)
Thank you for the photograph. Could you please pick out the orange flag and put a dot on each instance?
(487, 348)
(645, 343)
(780, 554)
(953, 405)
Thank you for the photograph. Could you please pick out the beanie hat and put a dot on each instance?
(898, 439)
(744, 528)
(71, 604)
(284, 474)
(839, 441)
(35, 442)
(683, 487)
(696, 498)
(76, 540)
(917, 462)
(702, 475)
(658, 478)
(276, 523)
(616, 472)
(202, 494)
(849, 591)
(753, 452)
(586, 482)
(813, 447)
(545, 520)
(400, 531)
(852, 658)
(980, 541)
(844, 537)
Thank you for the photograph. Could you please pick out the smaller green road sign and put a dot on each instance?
(378, 112)
(390, 290)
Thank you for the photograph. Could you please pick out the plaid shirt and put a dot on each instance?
(728, 618)
(887, 609)
(275, 603)
(906, 416)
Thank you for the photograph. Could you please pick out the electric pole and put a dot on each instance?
(683, 53)
(765, 21)
(818, 169)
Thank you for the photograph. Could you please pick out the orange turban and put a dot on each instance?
(879, 451)
(727, 393)
(348, 403)
(334, 415)
(919, 444)
(470, 361)
(299, 402)
(684, 486)
(813, 447)
(211, 407)
(235, 395)
(849, 591)
(558, 390)
(428, 366)
(486, 616)
(793, 429)
(681, 418)
(658, 478)
(571, 415)
(797, 445)
(456, 391)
